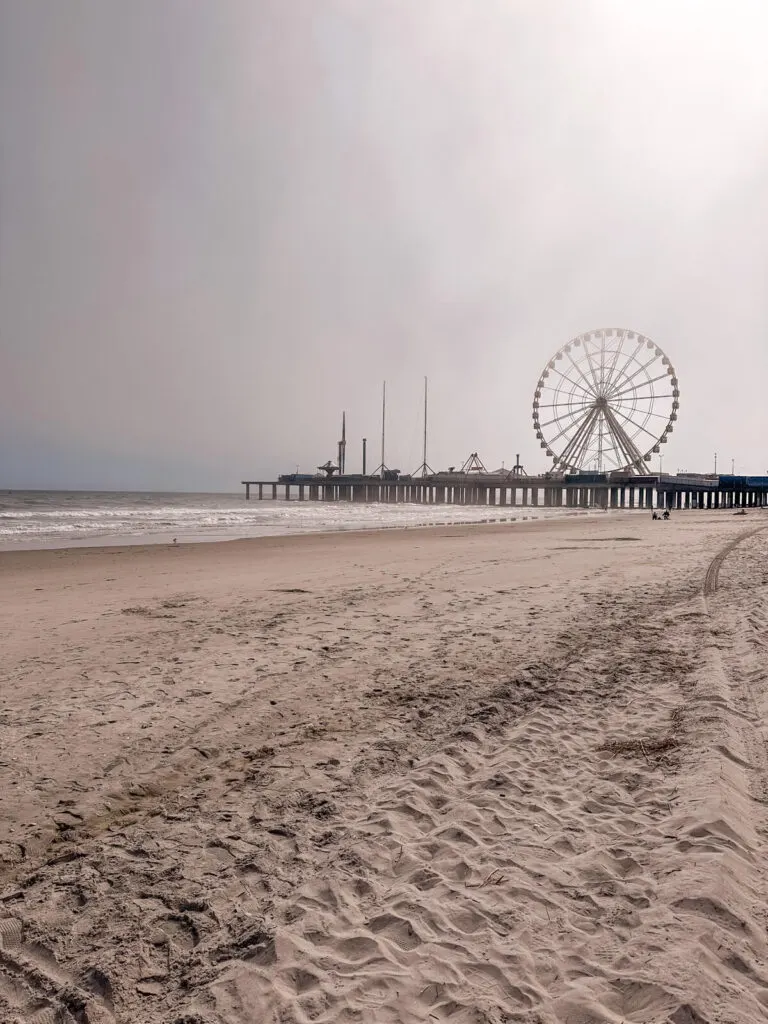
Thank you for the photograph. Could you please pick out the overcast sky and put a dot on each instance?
(221, 223)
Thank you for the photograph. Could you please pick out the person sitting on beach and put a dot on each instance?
(666, 514)
(655, 515)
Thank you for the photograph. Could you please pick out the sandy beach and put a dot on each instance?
(469, 774)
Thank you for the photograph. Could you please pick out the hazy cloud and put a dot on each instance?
(222, 223)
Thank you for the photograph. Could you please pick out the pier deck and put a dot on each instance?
(493, 490)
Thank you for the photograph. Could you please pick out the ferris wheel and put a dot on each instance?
(607, 400)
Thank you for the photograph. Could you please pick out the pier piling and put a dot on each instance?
(496, 490)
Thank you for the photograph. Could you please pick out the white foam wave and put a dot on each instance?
(98, 518)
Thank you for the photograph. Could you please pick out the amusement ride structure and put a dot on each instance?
(605, 402)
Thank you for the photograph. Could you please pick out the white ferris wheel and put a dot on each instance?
(606, 401)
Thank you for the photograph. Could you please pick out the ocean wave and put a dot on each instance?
(95, 517)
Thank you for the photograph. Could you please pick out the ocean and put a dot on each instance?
(34, 519)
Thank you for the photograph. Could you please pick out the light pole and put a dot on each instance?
(715, 463)
(733, 467)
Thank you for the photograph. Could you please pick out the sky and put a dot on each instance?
(221, 224)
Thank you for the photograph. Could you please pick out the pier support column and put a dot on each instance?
(247, 492)
(274, 492)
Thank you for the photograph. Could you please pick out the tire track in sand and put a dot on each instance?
(713, 571)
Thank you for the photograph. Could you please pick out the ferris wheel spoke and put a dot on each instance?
(656, 415)
(613, 449)
(642, 384)
(621, 447)
(591, 364)
(643, 398)
(570, 380)
(569, 406)
(637, 426)
(602, 363)
(624, 442)
(612, 370)
(563, 432)
(559, 419)
(631, 357)
(577, 440)
(555, 405)
(580, 371)
(580, 450)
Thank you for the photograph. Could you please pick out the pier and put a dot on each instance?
(584, 490)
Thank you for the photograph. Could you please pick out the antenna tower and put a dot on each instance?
(424, 469)
(382, 469)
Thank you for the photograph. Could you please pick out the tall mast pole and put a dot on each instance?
(424, 460)
(383, 423)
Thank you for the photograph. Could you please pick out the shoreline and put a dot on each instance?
(165, 539)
